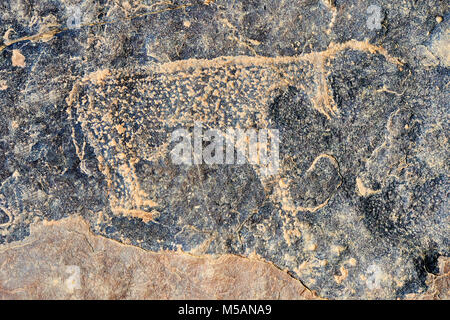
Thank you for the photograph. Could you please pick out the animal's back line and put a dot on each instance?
(316, 58)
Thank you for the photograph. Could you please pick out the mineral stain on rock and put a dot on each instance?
(357, 209)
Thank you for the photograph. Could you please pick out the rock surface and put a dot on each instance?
(64, 260)
(91, 91)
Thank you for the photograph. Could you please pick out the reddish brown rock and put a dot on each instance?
(438, 285)
(64, 260)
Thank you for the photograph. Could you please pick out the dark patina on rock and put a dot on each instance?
(359, 207)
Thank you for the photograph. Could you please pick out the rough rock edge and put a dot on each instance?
(44, 266)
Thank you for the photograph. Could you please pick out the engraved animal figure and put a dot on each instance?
(127, 116)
